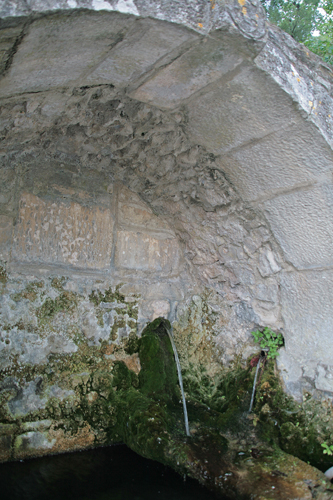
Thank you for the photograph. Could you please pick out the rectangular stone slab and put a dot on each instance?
(243, 108)
(291, 157)
(39, 63)
(63, 233)
(138, 52)
(143, 252)
(307, 300)
(302, 222)
(195, 69)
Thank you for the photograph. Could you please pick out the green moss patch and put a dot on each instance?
(126, 309)
(30, 292)
(96, 296)
(3, 275)
(225, 450)
(299, 429)
(58, 283)
(66, 301)
(158, 377)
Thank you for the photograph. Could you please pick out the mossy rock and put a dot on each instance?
(3, 275)
(299, 429)
(66, 301)
(158, 376)
(132, 344)
(96, 297)
(123, 378)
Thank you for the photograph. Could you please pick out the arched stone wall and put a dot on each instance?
(224, 133)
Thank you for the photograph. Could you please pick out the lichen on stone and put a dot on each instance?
(30, 292)
(65, 302)
(3, 274)
(298, 428)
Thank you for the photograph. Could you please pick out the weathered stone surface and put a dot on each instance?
(302, 223)
(32, 442)
(267, 262)
(324, 379)
(30, 347)
(199, 15)
(306, 310)
(10, 37)
(143, 252)
(50, 441)
(161, 308)
(228, 246)
(286, 159)
(301, 74)
(60, 233)
(204, 64)
(39, 63)
(129, 212)
(28, 399)
(138, 52)
(133, 363)
(245, 108)
(6, 228)
(134, 213)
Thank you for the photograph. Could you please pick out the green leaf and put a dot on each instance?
(269, 339)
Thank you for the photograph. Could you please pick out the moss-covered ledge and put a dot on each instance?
(235, 454)
(226, 451)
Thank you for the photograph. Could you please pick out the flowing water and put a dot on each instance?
(111, 473)
(254, 384)
(180, 378)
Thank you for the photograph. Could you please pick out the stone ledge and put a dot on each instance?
(200, 15)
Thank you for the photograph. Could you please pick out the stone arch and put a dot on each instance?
(224, 133)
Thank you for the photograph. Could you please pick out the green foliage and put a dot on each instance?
(123, 378)
(323, 44)
(298, 18)
(301, 19)
(202, 387)
(270, 340)
(132, 344)
(223, 392)
(328, 450)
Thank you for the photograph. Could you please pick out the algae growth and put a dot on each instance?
(3, 275)
(299, 429)
(94, 398)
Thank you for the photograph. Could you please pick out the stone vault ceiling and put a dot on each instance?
(219, 124)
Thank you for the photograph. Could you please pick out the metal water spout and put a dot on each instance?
(254, 384)
(180, 378)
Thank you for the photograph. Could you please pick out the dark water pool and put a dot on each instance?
(112, 473)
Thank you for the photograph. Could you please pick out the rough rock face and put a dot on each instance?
(177, 166)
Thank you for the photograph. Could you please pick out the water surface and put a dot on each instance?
(111, 473)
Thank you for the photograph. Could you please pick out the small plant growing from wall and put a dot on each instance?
(269, 341)
(328, 449)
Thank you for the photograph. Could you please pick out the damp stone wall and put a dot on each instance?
(177, 165)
